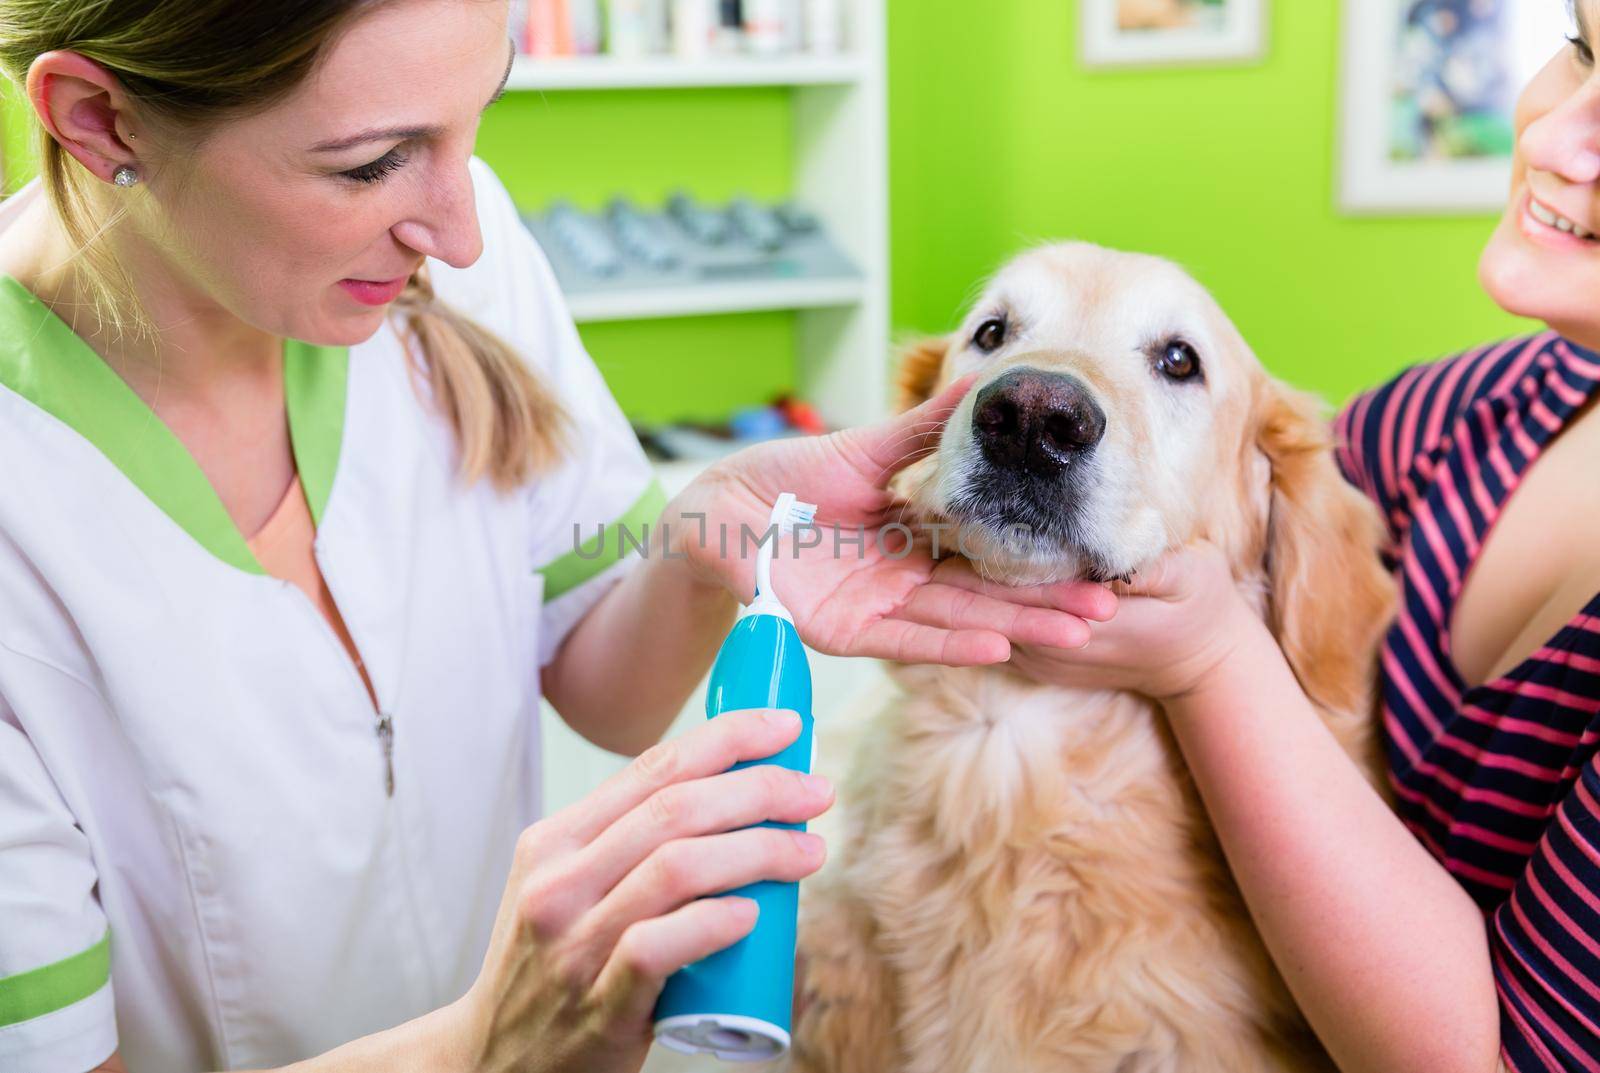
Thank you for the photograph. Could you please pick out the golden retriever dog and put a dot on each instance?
(1027, 881)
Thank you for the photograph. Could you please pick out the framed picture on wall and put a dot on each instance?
(1123, 32)
(1429, 90)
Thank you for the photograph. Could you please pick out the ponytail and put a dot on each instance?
(508, 424)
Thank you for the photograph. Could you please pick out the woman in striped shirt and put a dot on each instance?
(1467, 930)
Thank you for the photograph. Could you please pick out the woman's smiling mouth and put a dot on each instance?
(1544, 224)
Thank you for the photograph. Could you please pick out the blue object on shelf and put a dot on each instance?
(758, 423)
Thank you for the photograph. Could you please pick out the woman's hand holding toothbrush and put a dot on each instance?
(608, 897)
(864, 597)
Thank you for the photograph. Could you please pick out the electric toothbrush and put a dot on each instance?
(736, 1004)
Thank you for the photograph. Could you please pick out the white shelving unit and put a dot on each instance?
(709, 298)
(667, 73)
(840, 155)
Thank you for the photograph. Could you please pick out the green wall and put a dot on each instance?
(1000, 138)
(15, 153)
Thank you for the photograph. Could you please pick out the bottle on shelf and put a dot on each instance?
(823, 29)
(692, 24)
(729, 37)
(635, 28)
(549, 29)
(588, 29)
(793, 25)
(764, 26)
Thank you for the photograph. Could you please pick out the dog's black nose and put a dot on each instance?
(1035, 421)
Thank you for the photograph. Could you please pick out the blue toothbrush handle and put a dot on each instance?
(750, 984)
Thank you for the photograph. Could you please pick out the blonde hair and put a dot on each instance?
(190, 63)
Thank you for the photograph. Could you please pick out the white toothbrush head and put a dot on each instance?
(788, 515)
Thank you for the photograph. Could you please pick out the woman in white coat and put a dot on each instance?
(303, 469)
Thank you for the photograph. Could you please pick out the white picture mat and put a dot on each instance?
(1372, 183)
(1104, 44)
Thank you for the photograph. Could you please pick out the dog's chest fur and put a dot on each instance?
(1045, 891)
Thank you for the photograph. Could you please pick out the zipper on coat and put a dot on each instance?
(386, 740)
(385, 725)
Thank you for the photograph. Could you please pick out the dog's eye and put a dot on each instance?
(990, 336)
(1178, 360)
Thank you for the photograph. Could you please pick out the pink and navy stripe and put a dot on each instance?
(1499, 781)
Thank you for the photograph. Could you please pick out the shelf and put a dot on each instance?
(837, 313)
(709, 298)
(664, 72)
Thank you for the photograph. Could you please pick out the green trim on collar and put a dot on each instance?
(315, 380)
(55, 986)
(605, 548)
(45, 362)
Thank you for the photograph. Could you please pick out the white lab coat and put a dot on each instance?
(188, 759)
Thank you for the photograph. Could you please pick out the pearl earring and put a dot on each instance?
(125, 177)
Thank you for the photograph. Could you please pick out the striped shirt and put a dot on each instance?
(1499, 781)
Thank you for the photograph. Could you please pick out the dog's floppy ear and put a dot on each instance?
(918, 375)
(1329, 597)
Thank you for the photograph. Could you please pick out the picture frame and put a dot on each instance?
(1427, 94)
(1124, 33)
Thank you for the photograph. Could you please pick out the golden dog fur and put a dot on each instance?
(1027, 880)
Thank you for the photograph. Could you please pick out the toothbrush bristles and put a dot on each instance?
(790, 514)
(801, 514)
